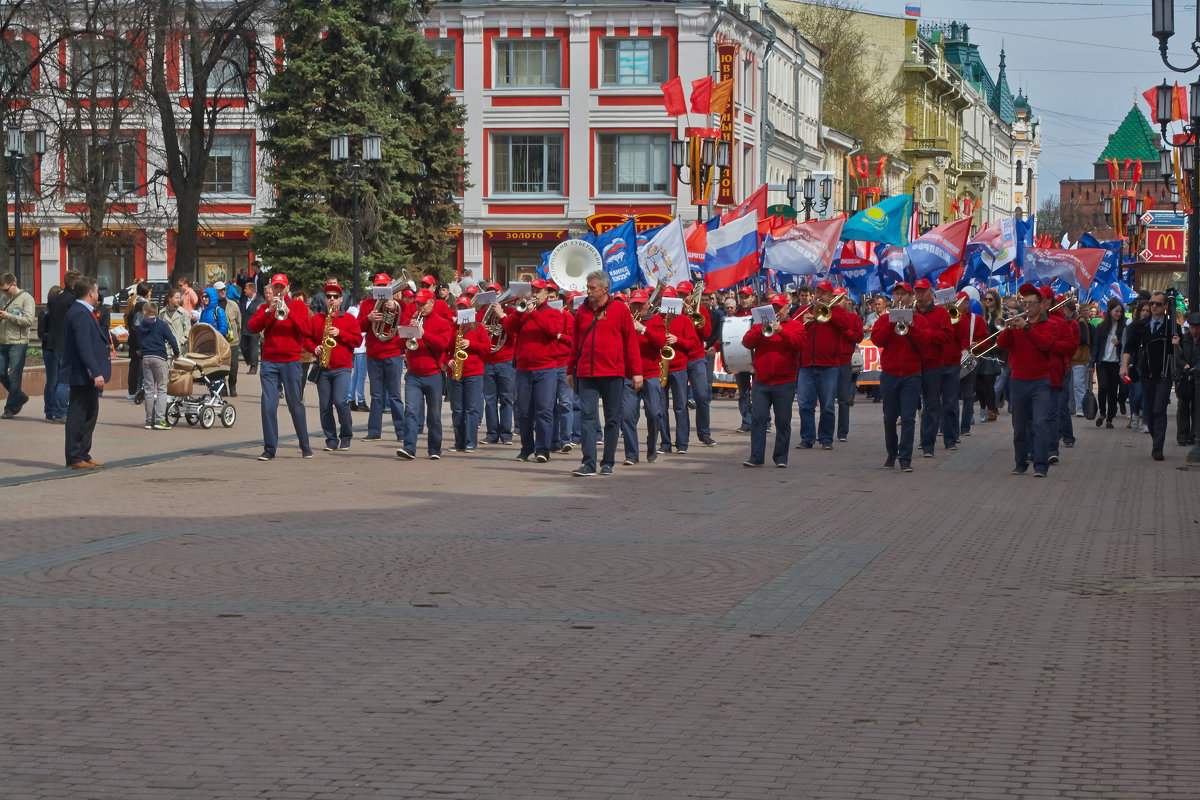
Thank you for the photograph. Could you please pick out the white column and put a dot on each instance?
(579, 101)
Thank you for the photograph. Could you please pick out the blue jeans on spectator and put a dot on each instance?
(845, 395)
(744, 397)
(12, 365)
(576, 417)
(332, 386)
(770, 400)
(931, 407)
(677, 386)
(593, 391)
(701, 392)
(1066, 428)
(563, 411)
(291, 374)
(466, 410)
(650, 396)
(499, 381)
(423, 396)
(900, 395)
(537, 393)
(358, 380)
(1031, 417)
(815, 384)
(385, 380)
(1135, 400)
(55, 395)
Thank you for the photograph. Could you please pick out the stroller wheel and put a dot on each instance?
(173, 413)
(228, 416)
(192, 419)
(207, 417)
(139, 397)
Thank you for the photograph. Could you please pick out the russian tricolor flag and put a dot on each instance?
(731, 254)
(912, 9)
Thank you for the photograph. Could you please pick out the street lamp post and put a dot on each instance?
(698, 154)
(810, 195)
(18, 164)
(370, 154)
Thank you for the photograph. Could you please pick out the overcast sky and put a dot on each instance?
(1082, 64)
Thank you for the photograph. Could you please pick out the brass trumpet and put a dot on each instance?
(525, 304)
(823, 312)
(281, 309)
(691, 304)
(415, 341)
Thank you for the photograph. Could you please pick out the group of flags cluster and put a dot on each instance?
(867, 253)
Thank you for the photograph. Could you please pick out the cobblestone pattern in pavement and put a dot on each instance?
(351, 626)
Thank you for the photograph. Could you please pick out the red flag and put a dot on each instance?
(721, 98)
(757, 201)
(1125, 169)
(702, 95)
(696, 237)
(1111, 163)
(1151, 96)
(864, 165)
(1179, 109)
(880, 166)
(954, 206)
(673, 97)
(1137, 171)
(850, 167)
(950, 276)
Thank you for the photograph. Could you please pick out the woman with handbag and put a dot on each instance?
(990, 365)
(1107, 344)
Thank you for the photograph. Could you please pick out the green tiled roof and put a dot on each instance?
(1134, 139)
(1001, 100)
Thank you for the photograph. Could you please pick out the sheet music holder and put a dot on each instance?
(761, 314)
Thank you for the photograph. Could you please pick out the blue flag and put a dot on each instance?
(886, 221)
(1024, 238)
(618, 248)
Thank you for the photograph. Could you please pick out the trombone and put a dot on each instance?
(1014, 318)
(823, 312)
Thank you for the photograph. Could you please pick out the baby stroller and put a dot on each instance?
(206, 360)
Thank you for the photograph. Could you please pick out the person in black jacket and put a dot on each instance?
(1107, 343)
(56, 394)
(85, 367)
(1152, 336)
(1187, 361)
(133, 319)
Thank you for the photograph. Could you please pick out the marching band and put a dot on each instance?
(551, 356)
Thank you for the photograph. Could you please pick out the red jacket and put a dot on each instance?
(689, 345)
(650, 343)
(942, 338)
(704, 331)
(348, 337)
(849, 343)
(538, 332)
(283, 341)
(962, 334)
(777, 358)
(477, 344)
(563, 347)
(900, 355)
(605, 345)
(826, 340)
(375, 348)
(1065, 342)
(505, 354)
(436, 339)
(1029, 349)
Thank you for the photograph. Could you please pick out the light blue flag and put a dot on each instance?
(886, 222)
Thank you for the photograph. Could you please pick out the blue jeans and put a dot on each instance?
(770, 400)
(55, 395)
(649, 396)
(950, 389)
(1065, 429)
(677, 382)
(900, 395)
(1032, 414)
(358, 380)
(291, 375)
(815, 384)
(537, 392)
(744, 381)
(466, 410)
(931, 407)
(563, 411)
(332, 386)
(12, 365)
(701, 391)
(499, 381)
(845, 393)
(423, 396)
(966, 396)
(593, 391)
(385, 380)
(576, 418)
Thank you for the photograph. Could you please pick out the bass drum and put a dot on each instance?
(734, 355)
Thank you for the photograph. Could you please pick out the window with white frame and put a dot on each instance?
(447, 48)
(634, 163)
(229, 165)
(529, 62)
(99, 161)
(527, 163)
(634, 62)
(229, 75)
(102, 64)
(16, 55)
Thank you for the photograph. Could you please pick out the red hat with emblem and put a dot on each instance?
(382, 279)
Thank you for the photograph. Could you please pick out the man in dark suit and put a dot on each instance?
(1150, 341)
(85, 354)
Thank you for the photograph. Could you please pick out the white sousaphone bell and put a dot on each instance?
(571, 261)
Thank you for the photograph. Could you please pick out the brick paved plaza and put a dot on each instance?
(191, 623)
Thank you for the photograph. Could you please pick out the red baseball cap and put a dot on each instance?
(428, 280)
(824, 286)
(779, 300)
(279, 279)
(1047, 293)
(471, 290)
(464, 302)
(901, 286)
(639, 296)
(382, 279)
(621, 296)
(407, 292)
(552, 286)
(923, 283)
(332, 288)
(670, 292)
(424, 296)
(538, 283)
(747, 290)
(840, 290)
(1029, 288)
(685, 286)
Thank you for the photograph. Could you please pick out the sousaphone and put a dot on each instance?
(571, 262)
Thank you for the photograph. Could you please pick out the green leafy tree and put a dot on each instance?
(359, 66)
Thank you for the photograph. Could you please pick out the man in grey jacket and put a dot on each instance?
(18, 313)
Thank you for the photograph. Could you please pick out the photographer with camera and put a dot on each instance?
(1187, 360)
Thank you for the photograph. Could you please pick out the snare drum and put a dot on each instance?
(734, 354)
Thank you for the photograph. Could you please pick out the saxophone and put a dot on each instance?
(460, 355)
(385, 329)
(328, 342)
(665, 354)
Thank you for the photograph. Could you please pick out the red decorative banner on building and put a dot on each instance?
(726, 69)
(603, 223)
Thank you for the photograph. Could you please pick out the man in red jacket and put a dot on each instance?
(817, 381)
(936, 388)
(685, 341)
(604, 354)
(499, 380)
(776, 362)
(538, 332)
(385, 359)
(333, 383)
(1065, 341)
(283, 341)
(699, 383)
(845, 380)
(466, 393)
(969, 329)
(1029, 339)
(651, 336)
(564, 400)
(423, 386)
(900, 376)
